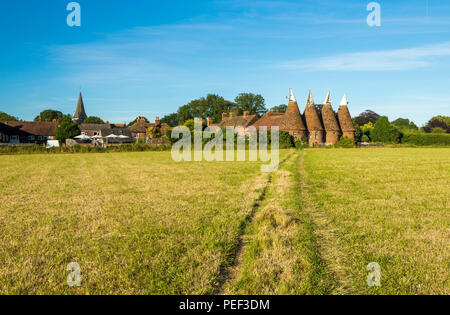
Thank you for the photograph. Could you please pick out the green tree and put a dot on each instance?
(67, 129)
(217, 105)
(367, 129)
(212, 106)
(5, 117)
(438, 122)
(255, 104)
(190, 124)
(171, 120)
(49, 115)
(279, 109)
(366, 117)
(93, 120)
(404, 123)
(438, 130)
(384, 132)
(358, 131)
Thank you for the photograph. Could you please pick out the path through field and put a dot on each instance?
(328, 214)
(154, 226)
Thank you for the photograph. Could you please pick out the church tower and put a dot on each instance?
(292, 121)
(330, 123)
(80, 114)
(315, 128)
(345, 119)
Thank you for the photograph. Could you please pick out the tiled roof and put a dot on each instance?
(40, 128)
(239, 121)
(141, 127)
(116, 131)
(269, 120)
(345, 119)
(292, 120)
(312, 118)
(8, 130)
(329, 118)
(93, 127)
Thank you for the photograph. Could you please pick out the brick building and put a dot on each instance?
(319, 125)
(25, 132)
(140, 129)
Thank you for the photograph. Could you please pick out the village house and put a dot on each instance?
(27, 133)
(140, 129)
(233, 120)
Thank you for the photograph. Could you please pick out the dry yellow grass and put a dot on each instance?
(280, 253)
(389, 206)
(137, 223)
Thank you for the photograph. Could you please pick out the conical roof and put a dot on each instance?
(292, 120)
(310, 99)
(311, 116)
(80, 113)
(345, 119)
(328, 99)
(344, 101)
(330, 122)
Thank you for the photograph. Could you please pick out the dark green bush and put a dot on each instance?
(300, 145)
(426, 139)
(286, 140)
(345, 143)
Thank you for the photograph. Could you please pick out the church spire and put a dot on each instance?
(80, 113)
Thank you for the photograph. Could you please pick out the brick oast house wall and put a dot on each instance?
(345, 119)
(317, 126)
(330, 122)
(292, 120)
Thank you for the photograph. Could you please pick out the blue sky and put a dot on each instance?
(146, 57)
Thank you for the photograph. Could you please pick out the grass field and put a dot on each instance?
(139, 223)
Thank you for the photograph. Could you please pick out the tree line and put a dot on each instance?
(371, 127)
(212, 106)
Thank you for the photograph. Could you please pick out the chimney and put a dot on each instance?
(107, 123)
(210, 122)
(246, 114)
(157, 121)
(224, 116)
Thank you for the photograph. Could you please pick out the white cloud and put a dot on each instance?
(383, 60)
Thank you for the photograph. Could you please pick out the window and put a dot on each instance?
(40, 138)
(30, 138)
(14, 138)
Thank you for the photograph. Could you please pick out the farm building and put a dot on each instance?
(321, 125)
